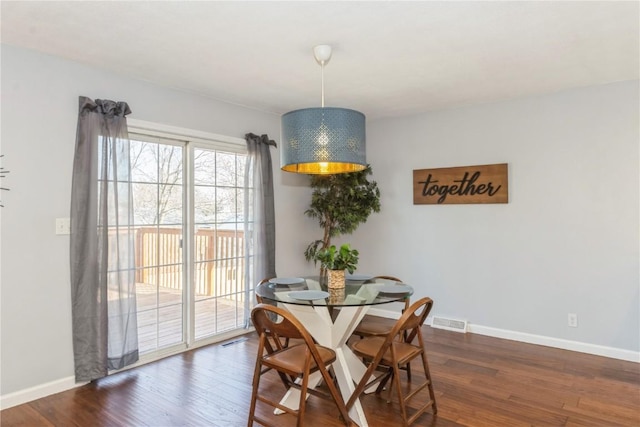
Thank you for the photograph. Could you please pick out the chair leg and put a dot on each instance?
(254, 393)
(303, 395)
(401, 401)
(427, 374)
(392, 376)
(383, 382)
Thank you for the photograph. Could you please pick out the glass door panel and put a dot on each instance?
(158, 195)
(218, 242)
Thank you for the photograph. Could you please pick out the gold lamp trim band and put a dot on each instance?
(323, 168)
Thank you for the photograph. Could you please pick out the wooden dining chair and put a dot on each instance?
(378, 326)
(374, 326)
(260, 300)
(389, 354)
(294, 364)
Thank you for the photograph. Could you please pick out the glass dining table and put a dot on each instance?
(331, 316)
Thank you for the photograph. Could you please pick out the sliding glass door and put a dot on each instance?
(188, 212)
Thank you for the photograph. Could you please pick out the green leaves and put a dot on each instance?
(343, 259)
(340, 203)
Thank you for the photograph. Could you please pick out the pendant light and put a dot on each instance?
(325, 140)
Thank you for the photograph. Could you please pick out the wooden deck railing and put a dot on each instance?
(218, 257)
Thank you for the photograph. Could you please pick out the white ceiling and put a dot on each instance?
(390, 58)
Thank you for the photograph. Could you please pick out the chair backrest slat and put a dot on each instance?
(411, 321)
(407, 300)
(283, 327)
(286, 326)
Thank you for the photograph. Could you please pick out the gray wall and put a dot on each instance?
(39, 117)
(567, 241)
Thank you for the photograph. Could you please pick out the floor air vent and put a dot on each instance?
(449, 324)
(228, 343)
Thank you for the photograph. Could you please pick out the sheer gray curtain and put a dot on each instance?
(102, 242)
(260, 223)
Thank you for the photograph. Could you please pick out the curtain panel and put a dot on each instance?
(102, 242)
(260, 223)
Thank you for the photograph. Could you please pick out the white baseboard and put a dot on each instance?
(595, 349)
(37, 392)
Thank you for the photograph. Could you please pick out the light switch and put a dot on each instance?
(63, 225)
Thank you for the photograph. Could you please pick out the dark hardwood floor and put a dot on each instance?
(478, 380)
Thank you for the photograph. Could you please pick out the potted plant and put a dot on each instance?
(336, 261)
(340, 203)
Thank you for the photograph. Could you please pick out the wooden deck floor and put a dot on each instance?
(161, 326)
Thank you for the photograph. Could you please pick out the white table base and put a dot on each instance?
(348, 368)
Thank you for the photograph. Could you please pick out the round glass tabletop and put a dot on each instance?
(313, 291)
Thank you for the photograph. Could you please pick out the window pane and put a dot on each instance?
(226, 169)
(170, 252)
(205, 311)
(170, 323)
(146, 252)
(204, 277)
(204, 167)
(144, 165)
(170, 204)
(226, 204)
(204, 243)
(204, 204)
(241, 162)
(147, 302)
(145, 204)
(170, 164)
(216, 315)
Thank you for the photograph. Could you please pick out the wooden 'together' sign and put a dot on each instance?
(467, 184)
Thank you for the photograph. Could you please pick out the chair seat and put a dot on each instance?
(371, 325)
(291, 360)
(374, 326)
(369, 347)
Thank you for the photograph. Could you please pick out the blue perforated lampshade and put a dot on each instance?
(323, 141)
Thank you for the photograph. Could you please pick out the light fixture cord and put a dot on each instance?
(322, 79)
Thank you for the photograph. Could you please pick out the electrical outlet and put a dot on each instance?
(572, 320)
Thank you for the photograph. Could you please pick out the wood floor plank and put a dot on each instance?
(478, 380)
(26, 416)
(609, 409)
